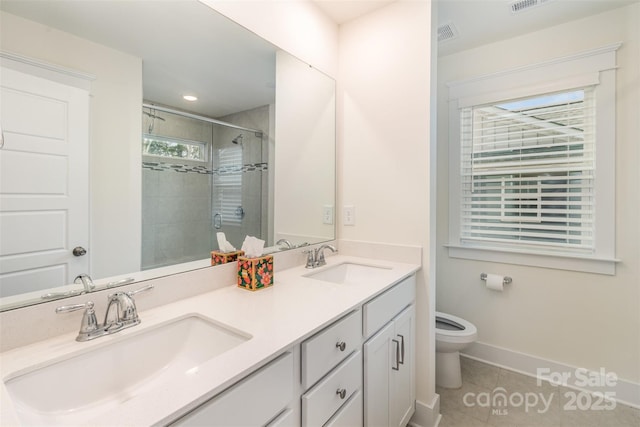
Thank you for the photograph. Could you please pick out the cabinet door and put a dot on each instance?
(379, 354)
(402, 396)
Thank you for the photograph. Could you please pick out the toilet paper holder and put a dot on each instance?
(506, 281)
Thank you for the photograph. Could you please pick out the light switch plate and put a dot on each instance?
(349, 217)
(327, 214)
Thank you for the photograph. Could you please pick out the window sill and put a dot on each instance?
(556, 261)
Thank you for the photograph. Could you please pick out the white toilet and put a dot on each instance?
(452, 335)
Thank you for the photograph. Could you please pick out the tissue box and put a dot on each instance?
(218, 257)
(255, 273)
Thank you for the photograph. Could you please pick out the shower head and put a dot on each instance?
(238, 139)
(153, 116)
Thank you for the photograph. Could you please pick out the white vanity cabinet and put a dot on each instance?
(259, 399)
(357, 371)
(389, 356)
(332, 368)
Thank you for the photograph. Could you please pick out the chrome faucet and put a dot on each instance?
(87, 284)
(86, 281)
(316, 258)
(121, 314)
(285, 242)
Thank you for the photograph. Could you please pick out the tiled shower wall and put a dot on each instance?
(177, 194)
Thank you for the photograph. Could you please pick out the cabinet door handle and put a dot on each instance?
(401, 361)
(397, 367)
(341, 392)
(341, 345)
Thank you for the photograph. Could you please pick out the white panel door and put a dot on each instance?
(44, 191)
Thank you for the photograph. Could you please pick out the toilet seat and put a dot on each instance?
(468, 334)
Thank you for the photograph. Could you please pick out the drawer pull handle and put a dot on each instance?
(401, 361)
(397, 367)
(341, 345)
(341, 392)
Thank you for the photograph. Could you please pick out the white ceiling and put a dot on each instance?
(185, 46)
(480, 22)
(341, 11)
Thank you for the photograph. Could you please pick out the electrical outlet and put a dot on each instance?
(349, 217)
(327, 214)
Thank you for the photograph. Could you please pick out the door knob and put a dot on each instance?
(79, 251)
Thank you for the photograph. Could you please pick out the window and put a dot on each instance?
(153, 145)
(532, 165)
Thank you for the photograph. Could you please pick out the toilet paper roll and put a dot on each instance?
(495, 282)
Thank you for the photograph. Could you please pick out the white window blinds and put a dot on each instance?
(527, 172)
(228, 184)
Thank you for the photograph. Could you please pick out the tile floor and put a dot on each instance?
(549, 406)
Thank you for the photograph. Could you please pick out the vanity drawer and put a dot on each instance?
(329, 347)
(254, 400)
(285, 419)
(350, 414)
(383, 308)
(325, 398)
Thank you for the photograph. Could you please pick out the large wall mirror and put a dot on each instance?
(253, 156)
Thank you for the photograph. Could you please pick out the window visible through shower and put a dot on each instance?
(201, 177)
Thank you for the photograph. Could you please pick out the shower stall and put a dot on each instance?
(202, 176)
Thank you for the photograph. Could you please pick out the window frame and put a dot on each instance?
(591, 68)
(170, 140)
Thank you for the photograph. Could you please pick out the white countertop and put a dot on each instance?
(277, 318)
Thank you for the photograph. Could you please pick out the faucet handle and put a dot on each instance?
(131, 293)
(67, 308)
(89, 323)
(311, 258)
(142, 289)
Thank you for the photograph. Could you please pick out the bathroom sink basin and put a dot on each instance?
(348, 272)
(84, 385)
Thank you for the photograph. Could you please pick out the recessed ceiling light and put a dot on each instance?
(190, 98)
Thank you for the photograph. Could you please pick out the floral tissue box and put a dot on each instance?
(255, 273)
(218, 257)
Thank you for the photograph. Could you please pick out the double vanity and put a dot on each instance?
(328, 346)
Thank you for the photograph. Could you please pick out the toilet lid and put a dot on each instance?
(448, 324)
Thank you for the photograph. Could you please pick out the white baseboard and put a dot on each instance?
(623, 391)
(426, 415)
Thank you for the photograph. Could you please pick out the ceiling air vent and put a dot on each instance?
(446, 32)
(522, 5)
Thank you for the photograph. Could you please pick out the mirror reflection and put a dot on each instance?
(201, 177)
(251, 156)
